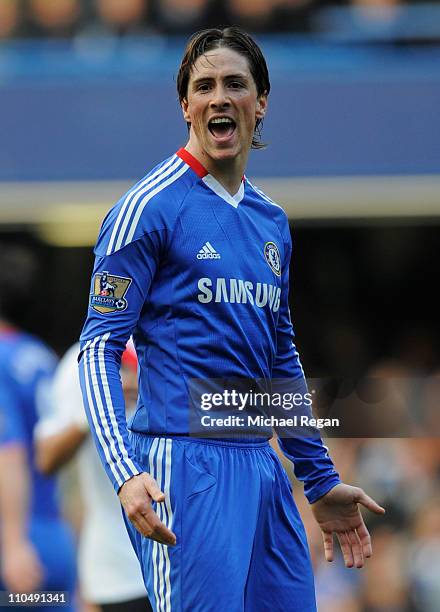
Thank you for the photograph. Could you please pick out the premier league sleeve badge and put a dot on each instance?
(108, 293)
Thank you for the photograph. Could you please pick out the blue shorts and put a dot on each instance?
(241, 545)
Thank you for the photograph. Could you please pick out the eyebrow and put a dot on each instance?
(227, 77)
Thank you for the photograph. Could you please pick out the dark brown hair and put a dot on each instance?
(233, 38)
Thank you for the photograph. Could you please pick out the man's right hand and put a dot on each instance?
(136, 496)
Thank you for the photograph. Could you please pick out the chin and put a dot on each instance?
(224, 154)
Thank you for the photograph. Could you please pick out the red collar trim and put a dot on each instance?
(189, 159)
(194, 163)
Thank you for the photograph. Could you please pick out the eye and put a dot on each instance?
(236, 84)
(203, 87)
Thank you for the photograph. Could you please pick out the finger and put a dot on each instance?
(147, 531)
(328, 545)
(365, 540)
(153, 489)
(168, 540)
(368, 502)
(346, 549)
(154, 529)
(356, 548)
(161, 533)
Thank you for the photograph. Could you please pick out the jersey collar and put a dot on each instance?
(192, 162)
(210, 181)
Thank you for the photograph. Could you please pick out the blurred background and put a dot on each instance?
(88, 105)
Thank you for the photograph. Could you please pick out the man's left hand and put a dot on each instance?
(338, 512)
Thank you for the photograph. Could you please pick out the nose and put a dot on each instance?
(219, 97)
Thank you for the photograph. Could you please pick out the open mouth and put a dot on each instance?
(222, 127)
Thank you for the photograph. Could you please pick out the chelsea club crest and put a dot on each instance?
(272, 256)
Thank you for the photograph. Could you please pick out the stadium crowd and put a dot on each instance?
(70, 18)
(403, 573)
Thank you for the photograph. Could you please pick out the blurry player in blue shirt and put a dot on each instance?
(37, 548)
(198, 260)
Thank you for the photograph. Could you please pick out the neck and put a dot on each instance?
(228, 172)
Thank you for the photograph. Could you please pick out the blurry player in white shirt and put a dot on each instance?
(109, 573)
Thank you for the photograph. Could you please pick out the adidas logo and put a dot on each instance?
(208, 252)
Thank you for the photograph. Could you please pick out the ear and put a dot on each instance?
(186, 115)
(261, 106)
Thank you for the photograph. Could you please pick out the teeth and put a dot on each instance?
(221, 120)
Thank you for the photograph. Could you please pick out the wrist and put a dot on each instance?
(322, 488)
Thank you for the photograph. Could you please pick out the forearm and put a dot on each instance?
(304, 446)
(54, 451)
(312, 465)
(105, 408)
(14, 495)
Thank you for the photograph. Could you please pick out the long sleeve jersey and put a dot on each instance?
(200, 278)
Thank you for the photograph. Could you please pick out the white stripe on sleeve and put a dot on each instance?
(125, 460)
(148, 197)
(132, 193)
(87, 364)
(148, 189)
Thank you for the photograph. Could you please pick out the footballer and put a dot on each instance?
(199, 261)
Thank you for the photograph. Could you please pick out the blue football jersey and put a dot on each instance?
(200, 278)
(26, 369)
